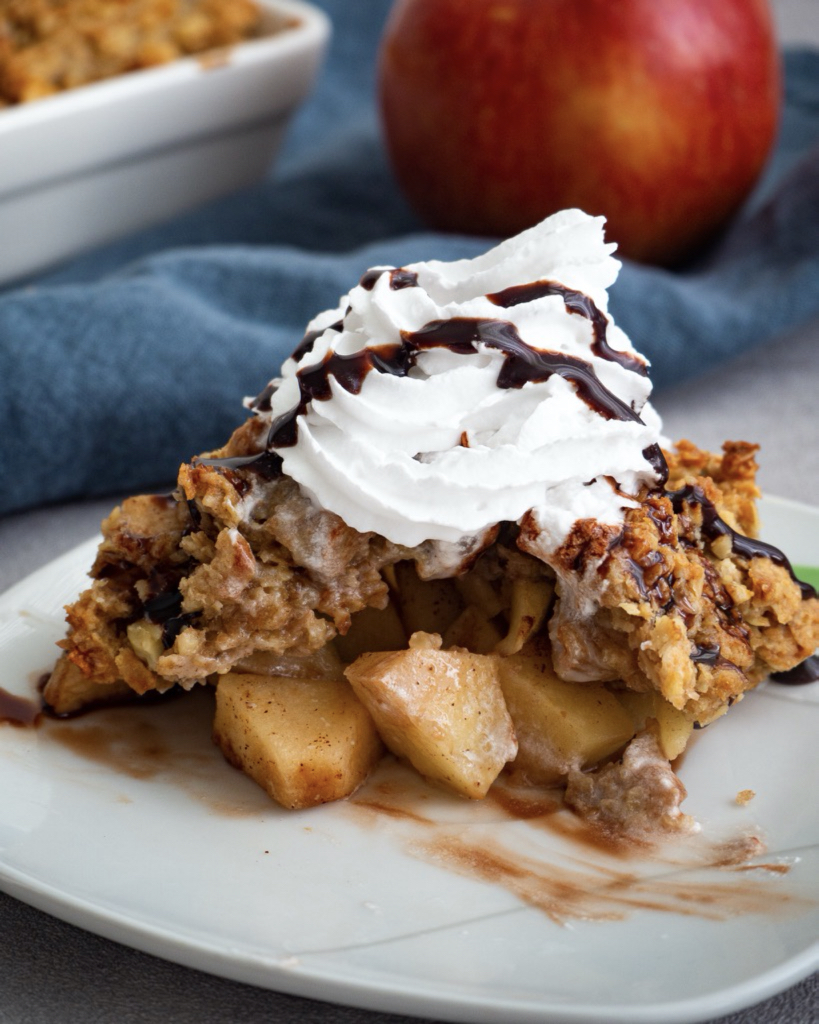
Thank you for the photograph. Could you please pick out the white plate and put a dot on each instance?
(155, 842)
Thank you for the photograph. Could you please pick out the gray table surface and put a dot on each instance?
(54, 973)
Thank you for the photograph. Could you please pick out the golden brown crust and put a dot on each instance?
(659, 604)
(733, 472)
(50, 45)
(252, 566)
(256, 569)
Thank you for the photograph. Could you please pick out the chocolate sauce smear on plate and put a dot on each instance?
(565, 867)
(20, 711)
(155, 736)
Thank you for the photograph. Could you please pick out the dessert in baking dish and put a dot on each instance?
(47, 46)
(452, 529)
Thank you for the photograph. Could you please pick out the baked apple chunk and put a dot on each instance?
(304, 741)
(442, 710)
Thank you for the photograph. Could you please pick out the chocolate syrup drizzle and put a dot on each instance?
(523, 364)
(655, 458)
(262, 401)
(805, 672)
(713, 526)
(267, 464)
(706, 654)
(305, 346)
(575, 302)
(166, 610)
(399, 278)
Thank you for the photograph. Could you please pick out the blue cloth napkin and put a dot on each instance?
(118, 366)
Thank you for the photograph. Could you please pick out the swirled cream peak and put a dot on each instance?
(439, 398)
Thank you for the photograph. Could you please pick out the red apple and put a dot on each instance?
(658, 114)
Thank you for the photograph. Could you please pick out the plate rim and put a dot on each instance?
(446, 1004)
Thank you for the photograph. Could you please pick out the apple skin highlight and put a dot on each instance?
(657, 114)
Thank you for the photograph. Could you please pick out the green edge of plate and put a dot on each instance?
(808, 574)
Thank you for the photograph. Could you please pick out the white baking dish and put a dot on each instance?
(91, 164)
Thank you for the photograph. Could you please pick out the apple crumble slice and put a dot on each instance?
(239, 572)
(452, 529)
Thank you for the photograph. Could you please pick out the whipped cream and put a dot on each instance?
(439, 398)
